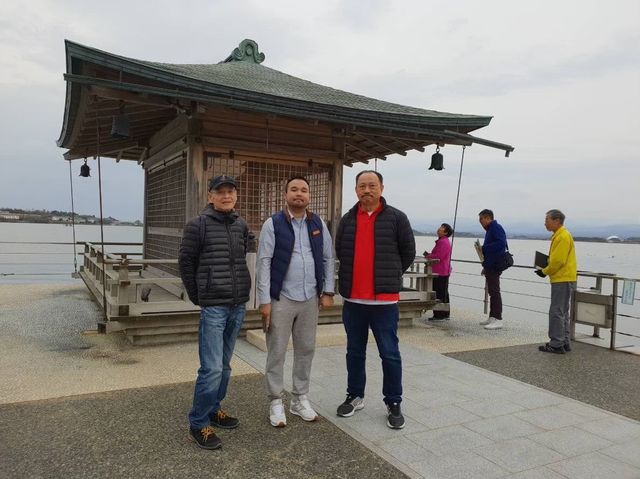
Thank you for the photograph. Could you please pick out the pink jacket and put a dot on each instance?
(442, 251)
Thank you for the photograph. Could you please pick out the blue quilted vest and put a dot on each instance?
(284, 242)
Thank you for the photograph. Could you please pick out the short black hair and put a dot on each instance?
(295, 177)
(486, 212)
(448, 230)
(369, 171)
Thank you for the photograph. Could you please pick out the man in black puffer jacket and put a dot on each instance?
(214, 271)
(375, 246)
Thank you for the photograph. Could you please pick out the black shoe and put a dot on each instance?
(222, 420)
(205, 438)
(567, 347)
(395, 419)
(550, 349)
(350, 405)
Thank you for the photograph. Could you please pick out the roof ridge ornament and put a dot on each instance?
(247, 51)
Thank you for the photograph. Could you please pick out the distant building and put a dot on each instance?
(614, 239)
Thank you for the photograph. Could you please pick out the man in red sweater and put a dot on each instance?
(375, 246)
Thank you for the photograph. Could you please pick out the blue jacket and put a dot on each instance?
(495, 244)
(285, 237)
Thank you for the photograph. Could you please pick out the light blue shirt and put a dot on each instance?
(300, 281)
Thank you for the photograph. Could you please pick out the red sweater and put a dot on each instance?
(363, 259)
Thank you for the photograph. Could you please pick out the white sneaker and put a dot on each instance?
(494, 324)
(486, 321)
(301, 407)
(276, 414)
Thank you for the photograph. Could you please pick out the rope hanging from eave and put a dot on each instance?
(73, 224)
(455, 214)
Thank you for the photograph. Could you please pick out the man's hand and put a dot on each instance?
(265, 312)
(326, 301)
(540, 273)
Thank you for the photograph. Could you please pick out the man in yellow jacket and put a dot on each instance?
(562, 270)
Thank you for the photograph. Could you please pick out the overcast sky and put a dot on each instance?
(561, 78)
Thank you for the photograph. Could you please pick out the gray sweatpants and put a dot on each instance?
(559, 318)
(299, 320)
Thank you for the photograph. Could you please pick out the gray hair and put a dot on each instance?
(556, 215)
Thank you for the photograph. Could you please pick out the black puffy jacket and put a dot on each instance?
(212, 259)
(395, 249)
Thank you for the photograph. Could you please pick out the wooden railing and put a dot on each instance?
(127, 286)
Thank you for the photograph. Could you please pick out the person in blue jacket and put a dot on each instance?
(493, 248)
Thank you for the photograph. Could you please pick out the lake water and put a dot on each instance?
(23, 260)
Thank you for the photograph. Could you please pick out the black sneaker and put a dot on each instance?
(222, 420)
(547, 348)
(350, 405)
(567, 347)
(395, 419)
(205, 438)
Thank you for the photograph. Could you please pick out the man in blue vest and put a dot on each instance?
(295, 276)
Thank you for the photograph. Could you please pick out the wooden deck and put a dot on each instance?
(151, 306)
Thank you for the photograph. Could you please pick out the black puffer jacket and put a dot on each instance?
(212, 260)
(395, 249)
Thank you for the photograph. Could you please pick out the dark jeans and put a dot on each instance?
(219, 328)
(383, 321)
(441, 288)
(495, 299)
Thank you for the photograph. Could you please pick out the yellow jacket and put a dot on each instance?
(562, 267)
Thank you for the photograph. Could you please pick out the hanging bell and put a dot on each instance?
(437, 160)
(84, 170)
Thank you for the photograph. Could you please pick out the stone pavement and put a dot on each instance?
(462, 421)
(466, 422)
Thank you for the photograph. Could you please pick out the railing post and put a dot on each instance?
(614, 313)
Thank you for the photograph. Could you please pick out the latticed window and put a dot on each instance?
(261, 185)
(166, 197)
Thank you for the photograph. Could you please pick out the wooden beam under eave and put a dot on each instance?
(367, 151)
(126, 96)
(377, 142)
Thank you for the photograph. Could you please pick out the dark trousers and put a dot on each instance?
(441, 288)
(495, 298)
(383, 321)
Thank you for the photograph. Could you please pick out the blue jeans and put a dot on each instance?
(219, 328)
(383, 321)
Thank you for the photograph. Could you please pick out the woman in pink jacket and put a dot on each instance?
(441, 251)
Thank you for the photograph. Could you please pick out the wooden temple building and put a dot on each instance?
(184, 123)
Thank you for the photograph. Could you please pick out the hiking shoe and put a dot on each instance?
(493, 324)
(301, 407)
(205, 438)
(350, 405)
(276, 414)
(546, 348)
(222, 420)
(395, 419)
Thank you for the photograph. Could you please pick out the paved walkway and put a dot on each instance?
(466, 422)
(462, 421)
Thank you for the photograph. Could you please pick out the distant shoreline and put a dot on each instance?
(462, 234)
(582, 239)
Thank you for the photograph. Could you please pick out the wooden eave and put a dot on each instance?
(98, 83)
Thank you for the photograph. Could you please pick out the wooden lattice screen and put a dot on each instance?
(261, 185)
(166, 197)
